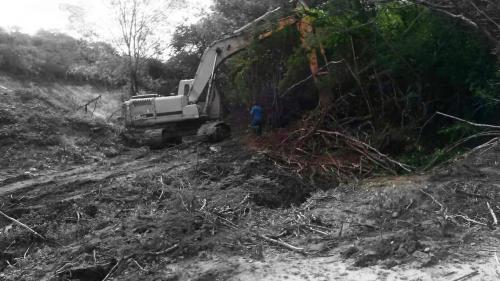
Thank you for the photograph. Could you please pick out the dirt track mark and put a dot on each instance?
(92, 173)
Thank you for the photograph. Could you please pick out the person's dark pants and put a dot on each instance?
(257, 126)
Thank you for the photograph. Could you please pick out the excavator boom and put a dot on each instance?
(197, 101)
(222, 49)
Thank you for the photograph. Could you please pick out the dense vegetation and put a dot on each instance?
(386, 69)
(56, 56)
(397, 64)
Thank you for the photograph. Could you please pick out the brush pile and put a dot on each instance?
(319, 147)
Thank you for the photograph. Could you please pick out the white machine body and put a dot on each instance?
(197, 101)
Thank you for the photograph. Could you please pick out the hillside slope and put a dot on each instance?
(46, 127)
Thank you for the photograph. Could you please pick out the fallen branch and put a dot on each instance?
(468, 219)
(131, 257)
(308, 77)
(138, 265)
(317, 231)
(112, 270)
(26, 252)
(467, 276)
(283, 244)
(166, 251)
(468, 122)
(486, 146)
(472, 194)
(485, 15)
(369, 148)
(433, 199)
(113, 114)
(461, 142)
(64, 267)
(22, 225)
(88, 103)
(495, 220)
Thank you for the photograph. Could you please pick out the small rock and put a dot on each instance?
(427, 249)
(395, 215)
(7, 229)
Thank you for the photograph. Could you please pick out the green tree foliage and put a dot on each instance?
(402, 63)
(227, 16)
(270, 58)
(189, 42)
(168, 74)
(396, 64)
(478, 14)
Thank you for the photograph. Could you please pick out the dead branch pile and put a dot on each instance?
(320, 147)
(466, 204)
(85, 106)
(491, 132)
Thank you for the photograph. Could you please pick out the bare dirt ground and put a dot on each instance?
(199, 212)
(225, 212)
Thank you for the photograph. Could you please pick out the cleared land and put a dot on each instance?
(226, 212)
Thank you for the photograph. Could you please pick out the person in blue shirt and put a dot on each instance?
(257, 114)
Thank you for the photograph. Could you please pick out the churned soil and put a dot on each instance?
(79, 204)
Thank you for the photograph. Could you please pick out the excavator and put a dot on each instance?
(196, 108)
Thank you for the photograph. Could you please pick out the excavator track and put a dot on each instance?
(214, 131)
(153, 138)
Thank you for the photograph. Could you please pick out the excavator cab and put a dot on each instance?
(149, 111)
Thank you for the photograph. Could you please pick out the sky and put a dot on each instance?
(29, 16)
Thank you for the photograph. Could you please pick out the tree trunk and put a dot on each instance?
(134, 88)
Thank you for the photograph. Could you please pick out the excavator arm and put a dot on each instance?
(197, 103)
(239, 40)
(222, 49)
